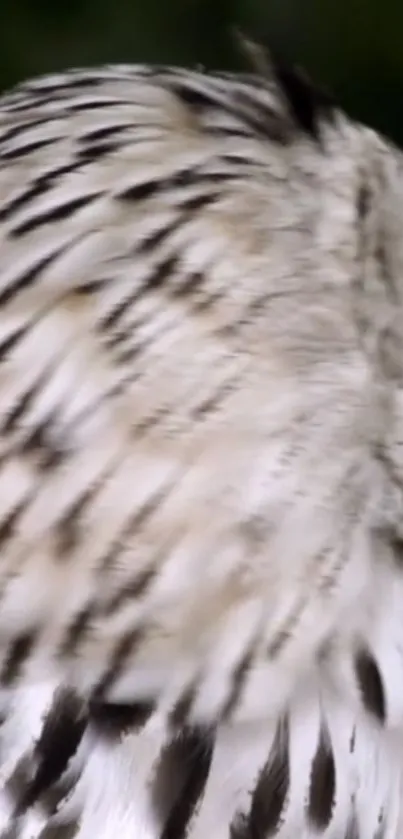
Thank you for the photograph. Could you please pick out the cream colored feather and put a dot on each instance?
(201, 469)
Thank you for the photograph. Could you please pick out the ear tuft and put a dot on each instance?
(307, 103)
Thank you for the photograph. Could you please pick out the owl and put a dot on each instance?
(201, 460)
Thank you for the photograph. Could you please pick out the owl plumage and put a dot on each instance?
(201, 426)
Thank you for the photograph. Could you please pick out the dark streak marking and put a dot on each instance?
(382, 824)
(61, 735)
(131, 590)
(284, 634)
(39, 443)
(230, 131)
(161, 273)
(179, 715)
(352, 740)
(24, 127)
(71, 83)
(125, 648)
(17, 654)
(119, 337)
(29, 148)
(371, 686)
(323, 784)
(28, 277)
(190, 286)
(196, 100)
(267, 127)
(104, 133)
(181, 180)
(89, 154)
(96, 105)
(205, 303)
(134, 524)
(363, 201)
(180, 780)
(279, 642)
(176, 290)
(240, 828)
(55, 214)
(52, 798)
(21, 407)
(242, 109)
(76, 631)
(60, 830)
(151, 421)
(54, 175)
(139, 192)
(8, 525)
(238, 681)
(157, 238)
(112, 719)
(149, 507)
(212, 402)
(34, 102)
(198, 202)
(381, 257)
(184, 178)
(68, 530)
(68, 527)
(86, 289)
(239, 160)
(21, 777)
(195, 177)
(269, 795)
(307, 103)
(13, 340)
(36, 190)
(111, 320)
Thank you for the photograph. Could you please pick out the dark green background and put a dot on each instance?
(355, 47)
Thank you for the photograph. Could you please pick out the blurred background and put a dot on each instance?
(353, 47)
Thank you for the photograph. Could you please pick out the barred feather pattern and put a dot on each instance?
(201, 470)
